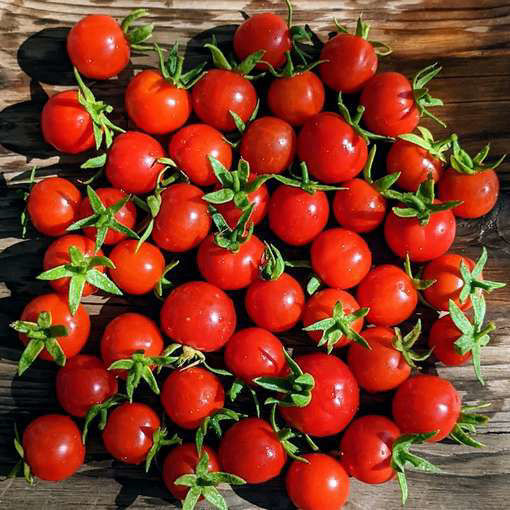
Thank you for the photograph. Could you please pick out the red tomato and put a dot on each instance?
(295, 99)
(77, 325)
(478, 192)
(366, 448)
(98, 47)
(269, 145)
(190, 148)
(421, 242)
(155, 105)
(252, 450)
(59, 196)
(296, 216)
(331, 148)
(82, 383)
(199, 315)
(320, 306)
(183, 460)
(381, 369)
(53, 448)
(190, 395)
(414, 163)
(66, 124)
(335, 397)
(390, 107)
(128, 433)
(351, 62)
(320, 484)
(275, 305)
(390, 295)
(218, 93)
(125, 216)
(183, 220)
(265, 31)
(424, 404)
(132, 163)
(230, 270)
(128, 333)
(442, 337)
(254, 352)
(340, 257)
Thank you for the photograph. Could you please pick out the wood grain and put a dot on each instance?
(471, 39)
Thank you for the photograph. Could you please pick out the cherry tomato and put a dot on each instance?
(382, 368)
(183, 460)
(275, 305)
(295, 99)
(98, 47)
(351, 62)
(442, 337)
(230, 270)
(265, 31)
(66, 124)
(53, 205)
(390, 295)
(155, 105)
(132, 163)
(296, 216)
(319, 484)
(332, 150)
(128, 333)
(218, 93)
(254, 352)
(269, 145)
(421, 242)
(82, 383)
(190, 148)
(199, 315)
(320, 306)
(183, 220)
(478, 192)
(252, 450)
(414, 163)
(366, 448)
(190, 395)
(424, 404)
(77, 325)
(125, 216)
(128, 433)
(340, 257)
(335, 397)
(53, 448)
(390, 107)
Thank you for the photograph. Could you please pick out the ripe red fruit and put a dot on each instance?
(442, 337)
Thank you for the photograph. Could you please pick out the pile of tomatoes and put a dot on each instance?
(229, 168)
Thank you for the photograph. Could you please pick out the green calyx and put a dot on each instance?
(404, 345)
(214, 422)
(98, 110)
(164, 283)
(401, 457)
(101, 410)
(297, 386)
(139, 34)
(244, 68)
(304, 181)
(229, 238)
(422, 96)
(237, 387)
(313, 284)
(474, 335)
(382, 184)
(41, 335)
(24, 194)
(426, 141)
(160, 440)
(202, 484)
(467, 425)
(103, 218)
(273, 265)
(82, 270)
(362, 30)
(21, 464)
(289, 69)
(417, 282)
(463, 163)
(337, 326)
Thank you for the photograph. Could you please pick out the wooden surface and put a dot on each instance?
(470, 38)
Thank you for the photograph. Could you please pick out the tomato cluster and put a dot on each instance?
(201, 178)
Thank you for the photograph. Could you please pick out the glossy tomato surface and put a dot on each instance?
(442, 337)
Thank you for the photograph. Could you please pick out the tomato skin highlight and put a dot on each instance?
(442, 337)
(53, 448)
(98, 47)
(252, 450)
(199, 315)
(59, 196)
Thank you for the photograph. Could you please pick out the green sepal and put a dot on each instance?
(273, 265)
(417, 282)
(101, 410)
(213, 422)
(404, 345)
(422, 97)
(231, 238)
(426, 141)
(21, 465)
(244, 68)
(382, 184)
(313, 284)
(160, 440)
(304, 181)
(24, 194)
(164, 283)
(237, 387)
(289, 70)
(137, 35)
(467, 425)
(463, 163)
